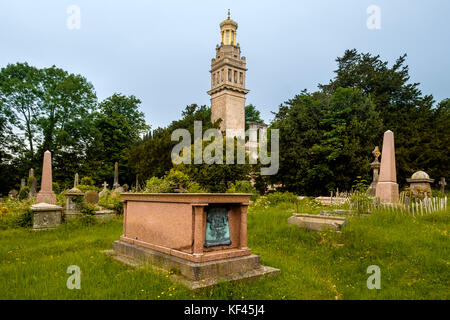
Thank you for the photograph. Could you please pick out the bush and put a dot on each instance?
(56, 187)
(87, 209)
(112, 201)
(25, 219)
(178, 179)
(243, 186)
(275, 198)
(278, 197)
(24, 192)
(87, 181)
(195, 188)
(86, 188)
(157, 185)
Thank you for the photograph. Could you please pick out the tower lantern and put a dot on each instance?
(228, 82)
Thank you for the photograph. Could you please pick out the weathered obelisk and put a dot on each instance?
(387, 187)
(46, 214)
(46, 193)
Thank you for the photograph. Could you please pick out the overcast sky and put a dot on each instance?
(161, 50)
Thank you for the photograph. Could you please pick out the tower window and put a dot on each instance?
(235, 76)
(229, 75)
(240, 78)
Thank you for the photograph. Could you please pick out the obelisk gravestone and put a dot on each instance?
(387, 187)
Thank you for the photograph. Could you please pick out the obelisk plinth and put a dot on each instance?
(46, 193)
(387, 187)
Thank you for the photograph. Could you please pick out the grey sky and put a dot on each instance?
(161, 50)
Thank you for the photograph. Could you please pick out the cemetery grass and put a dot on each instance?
(413, 255)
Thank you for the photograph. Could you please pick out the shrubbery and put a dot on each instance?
(173, 181)
(111, 201)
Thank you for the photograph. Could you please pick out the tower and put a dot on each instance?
(228, 82)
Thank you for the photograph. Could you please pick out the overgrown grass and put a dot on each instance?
(412, 253)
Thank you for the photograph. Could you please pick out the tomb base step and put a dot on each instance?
(195, 275)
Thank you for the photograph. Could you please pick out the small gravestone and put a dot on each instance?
(419, 183)
(91, 197)
(33, 182)
(104, 192)
(22, 184)
(442, 184)
(13, 194)
(375, 165)
(74, 199)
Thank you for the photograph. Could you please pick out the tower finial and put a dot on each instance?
(228, 14)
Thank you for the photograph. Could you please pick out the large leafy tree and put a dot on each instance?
(152, 157)
(120, 126)
(47, 109)
(325, 140)
(402, 107)
(21, 97)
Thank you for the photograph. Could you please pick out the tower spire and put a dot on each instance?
(229, 14)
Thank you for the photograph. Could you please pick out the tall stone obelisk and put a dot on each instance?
(387, 187)
(46, 214)
(46, 193)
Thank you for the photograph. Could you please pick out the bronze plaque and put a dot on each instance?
(217, 228)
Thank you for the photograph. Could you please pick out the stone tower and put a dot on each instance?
(228, 82)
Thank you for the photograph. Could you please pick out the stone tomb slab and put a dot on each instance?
(316, 222)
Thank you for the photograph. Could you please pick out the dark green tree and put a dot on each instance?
(120, 126)
(325, 140)
(401, 105)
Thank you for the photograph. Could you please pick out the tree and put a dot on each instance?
(401, 105)
(21, 97)
(119, 126)
(152, 156)
(252, 115)
(325, 140)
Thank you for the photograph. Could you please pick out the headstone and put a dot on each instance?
(116, 176)
(13, 194)
(46, 193)
(419, 183)
(91, 197)
(442, 183)
(104, 191)
(375, 165)
(387, 187)
(22, 183)
(33, 183)
(76, 182)
(74, 199)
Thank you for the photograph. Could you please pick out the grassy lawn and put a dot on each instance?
(413, 256)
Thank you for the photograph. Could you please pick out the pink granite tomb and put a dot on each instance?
(387, 187)
(169, 230)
